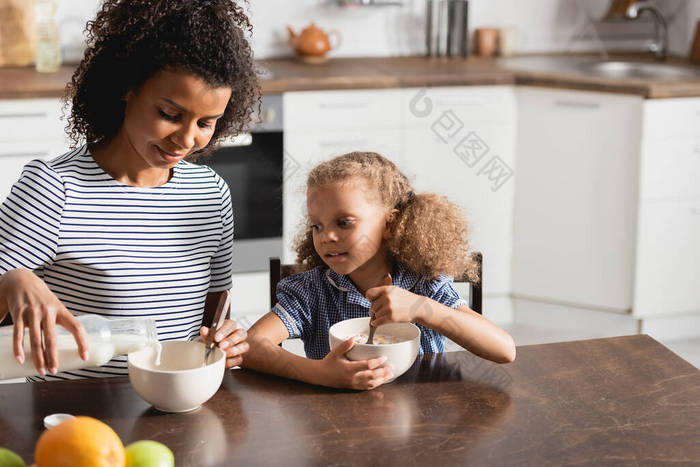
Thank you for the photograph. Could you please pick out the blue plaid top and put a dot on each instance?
(311, 302)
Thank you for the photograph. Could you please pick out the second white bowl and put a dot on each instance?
(400, 355)
(180, 383)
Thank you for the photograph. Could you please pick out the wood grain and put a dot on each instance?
(617, 401)
(384, 72)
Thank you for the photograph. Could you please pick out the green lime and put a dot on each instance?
(148, 453)
(10, 459)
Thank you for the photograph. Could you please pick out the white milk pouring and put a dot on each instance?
(107, 338)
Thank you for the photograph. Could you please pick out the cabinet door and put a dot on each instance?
(479, 181)
(576, 197)
(670, 168)
(460, 142)
(305, 149)
(671, 118)
(342, 110)
(668, 258)
(27, 120)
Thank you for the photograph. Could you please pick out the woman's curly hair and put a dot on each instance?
(129, 41)
(429, 234)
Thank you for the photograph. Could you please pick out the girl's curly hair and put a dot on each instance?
(429, 233)
(129, 41)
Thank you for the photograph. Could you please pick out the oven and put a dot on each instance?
(251, 165)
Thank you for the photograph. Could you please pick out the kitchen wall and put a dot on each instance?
(542, 25)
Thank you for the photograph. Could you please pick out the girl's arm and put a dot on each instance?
(266, 355)
(467, 328)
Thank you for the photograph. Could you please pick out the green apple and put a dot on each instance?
(10, 459)
(148, 453)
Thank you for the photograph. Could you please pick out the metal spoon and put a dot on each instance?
(224, 303)
(370, 340)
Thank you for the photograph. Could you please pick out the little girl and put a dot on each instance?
(371, 247)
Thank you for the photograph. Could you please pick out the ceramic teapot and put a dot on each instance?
(313, 43)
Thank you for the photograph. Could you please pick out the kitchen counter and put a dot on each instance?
(617, 401)
(287, 74)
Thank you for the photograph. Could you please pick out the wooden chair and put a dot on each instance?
(279, 271)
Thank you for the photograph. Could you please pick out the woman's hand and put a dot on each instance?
(231, 339)
(339, 372)
(391, 304)
(32, 305)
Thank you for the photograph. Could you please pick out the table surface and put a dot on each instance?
(617, 401)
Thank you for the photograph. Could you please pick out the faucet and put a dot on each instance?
(660, 45)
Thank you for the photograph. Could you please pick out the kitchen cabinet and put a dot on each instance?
(576, 197)
(455, 141)
(667, 252)
(31, 129)
(607, 205)
(321, 125)
(460, 142)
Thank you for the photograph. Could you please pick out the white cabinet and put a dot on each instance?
(668, 258)
(455, 141)
(576, 192)
(31, 129)
(668, 252)
(460, 142)
(321, 125)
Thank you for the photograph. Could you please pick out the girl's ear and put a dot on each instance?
(390, 219)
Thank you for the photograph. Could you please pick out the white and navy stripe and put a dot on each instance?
(120, 251)
(311, 302)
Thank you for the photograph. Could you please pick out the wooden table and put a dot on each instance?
(619, 401)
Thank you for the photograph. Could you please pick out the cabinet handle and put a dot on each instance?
(24, 154)
(577, 104)
(25, 115)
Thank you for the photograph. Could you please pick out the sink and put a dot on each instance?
(612, 69)
(641, 70)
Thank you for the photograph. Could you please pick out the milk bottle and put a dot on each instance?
(106, 338)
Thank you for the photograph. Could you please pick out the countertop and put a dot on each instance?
(616, 401)
(287, 74)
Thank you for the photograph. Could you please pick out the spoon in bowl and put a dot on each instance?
(223, 305)
(370, 339)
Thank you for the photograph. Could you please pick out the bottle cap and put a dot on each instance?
(54, 419)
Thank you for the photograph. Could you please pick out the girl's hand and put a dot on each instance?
(339, 372)
(32, 305)
(231, 339)
(391, 304)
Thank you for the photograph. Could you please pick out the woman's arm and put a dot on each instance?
(335, 370)
(32, 305)
(467, 328)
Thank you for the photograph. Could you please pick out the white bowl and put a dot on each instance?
(180, 383)
(400, 355)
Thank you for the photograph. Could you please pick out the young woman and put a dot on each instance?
(125, 225)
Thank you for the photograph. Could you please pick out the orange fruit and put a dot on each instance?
(80, 442)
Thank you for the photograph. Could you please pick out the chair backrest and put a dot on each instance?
(279, 271)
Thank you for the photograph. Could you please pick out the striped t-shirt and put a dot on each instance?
(115, 250)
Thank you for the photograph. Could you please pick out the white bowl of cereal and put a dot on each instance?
(178, 380)
(398, 342)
